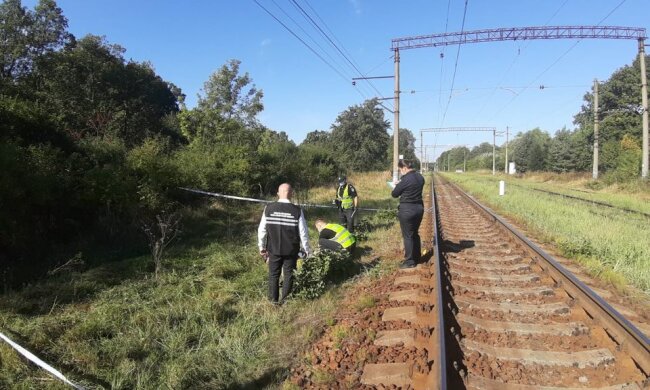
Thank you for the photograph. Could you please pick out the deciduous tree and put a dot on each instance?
(360, 138)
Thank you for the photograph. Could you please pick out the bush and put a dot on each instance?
(310, 280)
(379, 219)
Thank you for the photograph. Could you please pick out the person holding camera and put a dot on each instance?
(347, 202)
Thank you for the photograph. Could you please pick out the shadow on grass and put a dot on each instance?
(269, 379)
(107, 267)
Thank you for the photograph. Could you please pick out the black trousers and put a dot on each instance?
(324, 243)
(410, 218)
(277, 264)
(346, 218)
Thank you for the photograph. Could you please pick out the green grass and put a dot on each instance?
(634, 195)
(205, 323)
(613, 244)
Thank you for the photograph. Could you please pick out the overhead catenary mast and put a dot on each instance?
(529, 33)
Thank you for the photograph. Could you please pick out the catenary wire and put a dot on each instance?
(329, 56)
(345, 79)
(514, 61)
(453, 79)
(555, 62)
(329, 39)
(442, 61)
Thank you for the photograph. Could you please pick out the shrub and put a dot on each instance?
(310, 280)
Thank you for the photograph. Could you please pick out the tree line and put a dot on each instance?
(572, 150)
(92, 144)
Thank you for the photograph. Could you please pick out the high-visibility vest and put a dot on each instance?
(346, 199)
(343, 235)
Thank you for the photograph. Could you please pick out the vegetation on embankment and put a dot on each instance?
(205, 323)
(611, 243)
(94, 145)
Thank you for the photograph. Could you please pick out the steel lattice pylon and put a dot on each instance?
(528, 33)
(518, 33)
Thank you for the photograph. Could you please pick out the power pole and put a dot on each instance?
(422, 152)
(595, 170)
(644, 104)
(507, 130)
(464, 160)
(448, 153)
(396, 124)
(494, 148)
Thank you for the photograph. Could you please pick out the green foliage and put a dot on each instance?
(530, 150)
(225, 95)
(29, 35)
(560, 153)
(619, 107)
(456, 158)
(95, 92)
(628, 161)
(360, 138)
(155, 173)
(318, 138)
(406, 147)
(376, 220)
(312, 278)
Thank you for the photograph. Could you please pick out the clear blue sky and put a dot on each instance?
(187, 41)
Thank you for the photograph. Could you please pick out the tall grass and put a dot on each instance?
(610, 242)
(205, 323)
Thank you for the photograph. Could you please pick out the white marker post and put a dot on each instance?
(502, 187)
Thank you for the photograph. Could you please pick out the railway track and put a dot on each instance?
(585, 200)
(522, 321)
(488, 310)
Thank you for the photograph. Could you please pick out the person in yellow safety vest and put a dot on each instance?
(347, 202)
(334, 237)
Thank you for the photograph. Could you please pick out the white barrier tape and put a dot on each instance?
(218, 195)
(39, 362)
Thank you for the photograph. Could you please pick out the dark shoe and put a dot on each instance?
(405, 265)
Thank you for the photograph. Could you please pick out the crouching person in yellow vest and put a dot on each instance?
(334, 237)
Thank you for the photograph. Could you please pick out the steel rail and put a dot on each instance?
(628, 336)
(441, 362)
(596, 202)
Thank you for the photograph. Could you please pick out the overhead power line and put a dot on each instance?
(301, 40)
(295, 35)
(442, 59)
(305, 32)
(512, 64)
(334, 45)
(557, 60)
(453, 79)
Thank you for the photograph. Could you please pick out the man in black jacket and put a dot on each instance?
(281, 232)
(411, 210)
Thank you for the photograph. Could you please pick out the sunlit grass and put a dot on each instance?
(633, 196)
(205, 323)
(612, 244)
